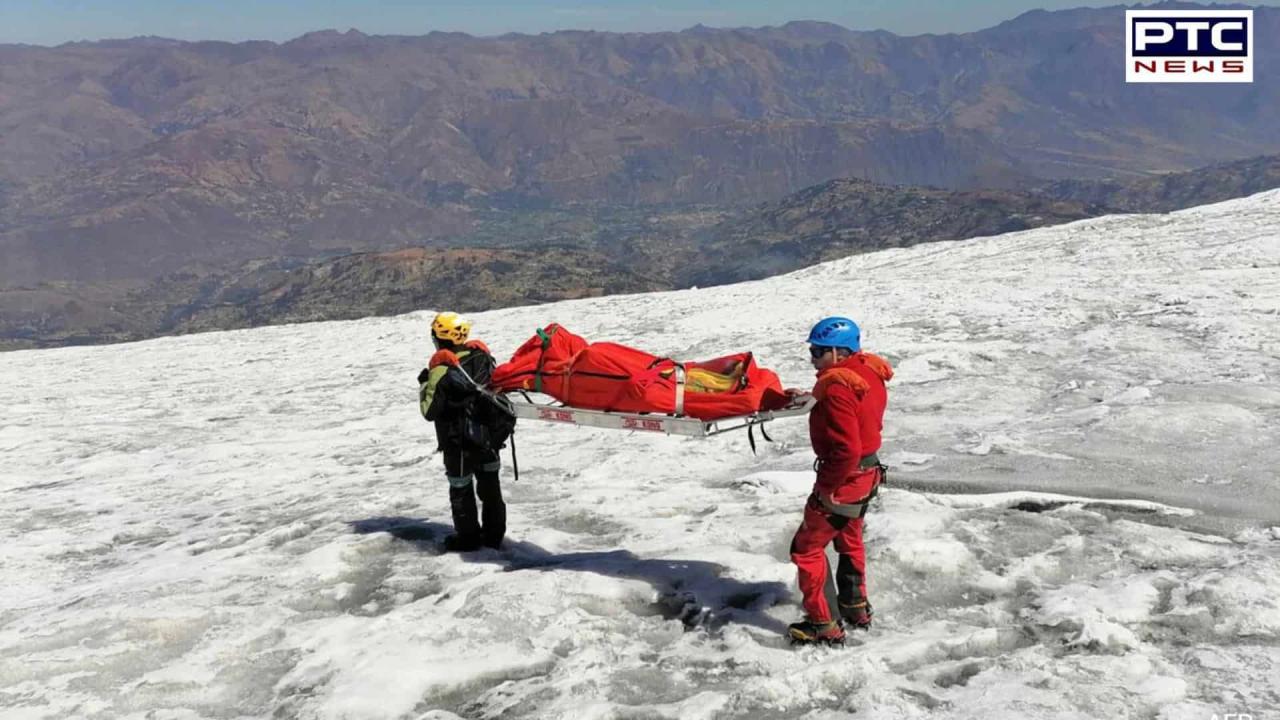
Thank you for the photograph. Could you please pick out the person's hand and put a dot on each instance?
(797, 397)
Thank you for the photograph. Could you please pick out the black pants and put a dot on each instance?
(472, 474)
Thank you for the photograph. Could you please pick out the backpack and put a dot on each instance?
(488, 422)
(488, 419)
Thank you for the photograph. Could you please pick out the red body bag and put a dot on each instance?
(608, 376)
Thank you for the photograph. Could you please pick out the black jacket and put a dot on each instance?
(445, 393)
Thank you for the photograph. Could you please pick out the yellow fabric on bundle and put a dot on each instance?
(700, 380)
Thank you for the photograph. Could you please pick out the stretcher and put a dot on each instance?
(608, 385)
(551, 410)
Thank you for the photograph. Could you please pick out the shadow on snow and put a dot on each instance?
(695, 592)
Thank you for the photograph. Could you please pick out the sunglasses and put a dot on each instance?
(817, 351)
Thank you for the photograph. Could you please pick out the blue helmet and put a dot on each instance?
(836, 332)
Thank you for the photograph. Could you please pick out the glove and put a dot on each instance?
(443, 357)
(478, 345)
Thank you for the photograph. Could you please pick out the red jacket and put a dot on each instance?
(845, 425)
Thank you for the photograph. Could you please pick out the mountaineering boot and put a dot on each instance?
(461, 543)
(808, 631)
(466, 524)
(857, 616)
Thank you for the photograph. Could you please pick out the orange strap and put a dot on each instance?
(443, 357)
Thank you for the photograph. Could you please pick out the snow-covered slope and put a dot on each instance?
(244, 524)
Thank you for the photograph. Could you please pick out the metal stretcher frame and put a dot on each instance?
(650, 422)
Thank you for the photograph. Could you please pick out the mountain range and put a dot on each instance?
(128, 160)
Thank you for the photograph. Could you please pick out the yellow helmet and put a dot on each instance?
(450, 326)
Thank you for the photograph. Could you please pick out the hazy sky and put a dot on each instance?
(49, 22)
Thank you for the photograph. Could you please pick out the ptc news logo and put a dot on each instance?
(1174, 46)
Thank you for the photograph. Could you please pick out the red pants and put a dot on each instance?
(809, 551)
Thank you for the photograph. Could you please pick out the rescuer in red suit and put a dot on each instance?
(844, 429)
